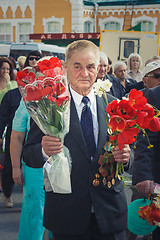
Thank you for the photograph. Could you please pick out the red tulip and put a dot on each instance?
(136, 99)
(117, 123)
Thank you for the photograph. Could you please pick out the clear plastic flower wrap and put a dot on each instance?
(46, 96)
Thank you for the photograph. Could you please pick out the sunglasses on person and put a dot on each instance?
(155, 75)
(36, 58)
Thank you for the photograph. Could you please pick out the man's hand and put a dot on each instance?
(145, 187)
(123, 155)
(51, 145)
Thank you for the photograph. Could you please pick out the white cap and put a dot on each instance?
(151, 67)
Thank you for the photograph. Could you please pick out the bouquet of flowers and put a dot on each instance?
(126, 118)
(151, 212)
(47, 100)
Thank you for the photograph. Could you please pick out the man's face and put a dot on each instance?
(82, 69)
(152, 79)
(102, 70)
(121, 72)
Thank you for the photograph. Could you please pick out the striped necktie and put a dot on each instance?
(87, 126)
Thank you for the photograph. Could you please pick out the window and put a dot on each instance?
(112, 26)
(5, 33)
(53, 27)
(87, 27)
(24, 31)
(128, 48)
(146, 26)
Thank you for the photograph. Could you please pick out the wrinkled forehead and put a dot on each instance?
(121, 68)
(86, 55)
(103, 62)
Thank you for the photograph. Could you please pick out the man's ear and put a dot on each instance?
(64, 65)
(144, 79)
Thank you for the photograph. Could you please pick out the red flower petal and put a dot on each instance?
(111, 108)
(155, 215)
(35, 93)
(117, 123)
(125, 110)
(136, 99)
(155, 125)
(127, 137)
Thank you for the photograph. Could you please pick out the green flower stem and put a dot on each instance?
(106, 100)
(105, 97)
(41, 106)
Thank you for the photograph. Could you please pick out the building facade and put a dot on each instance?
(20, 18)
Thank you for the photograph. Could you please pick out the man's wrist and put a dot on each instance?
(45, 156)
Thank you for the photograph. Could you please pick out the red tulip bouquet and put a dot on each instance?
(126, 118)
(47, 100)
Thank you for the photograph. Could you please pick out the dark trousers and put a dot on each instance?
(93, 233)
(156, 234)
(7, 180)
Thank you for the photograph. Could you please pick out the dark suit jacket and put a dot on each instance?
(8, 106)
(116, 89)
(146, 164)
(70, 213)
(136, 85)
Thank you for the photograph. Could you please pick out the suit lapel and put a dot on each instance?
(102, 134)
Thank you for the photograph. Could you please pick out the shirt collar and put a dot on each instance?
(78, 98)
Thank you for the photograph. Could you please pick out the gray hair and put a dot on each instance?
(118, 64)
(103, 57)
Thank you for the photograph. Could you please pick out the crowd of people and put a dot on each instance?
(89, 212)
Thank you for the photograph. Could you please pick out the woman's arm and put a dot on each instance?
(16, 143)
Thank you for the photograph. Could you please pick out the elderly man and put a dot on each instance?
(89, 212)
(120, 70)
(151, 74)
(102, 74)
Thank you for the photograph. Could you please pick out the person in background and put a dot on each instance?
(89, 212)
(140, 85)
(31, 221)
(6, 83)
(146, 166)
(21, 61)
(151, 74)
(9, 104)
(115, 90)
(32, 58)
(120, 70)
(14, 66)
(152, 59)
(7, 76)
(134, 64)
(151, 79)
(8, 107)
(103, 66)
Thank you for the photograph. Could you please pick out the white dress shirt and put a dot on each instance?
(93, 106)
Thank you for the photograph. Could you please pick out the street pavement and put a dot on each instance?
(10, 217)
